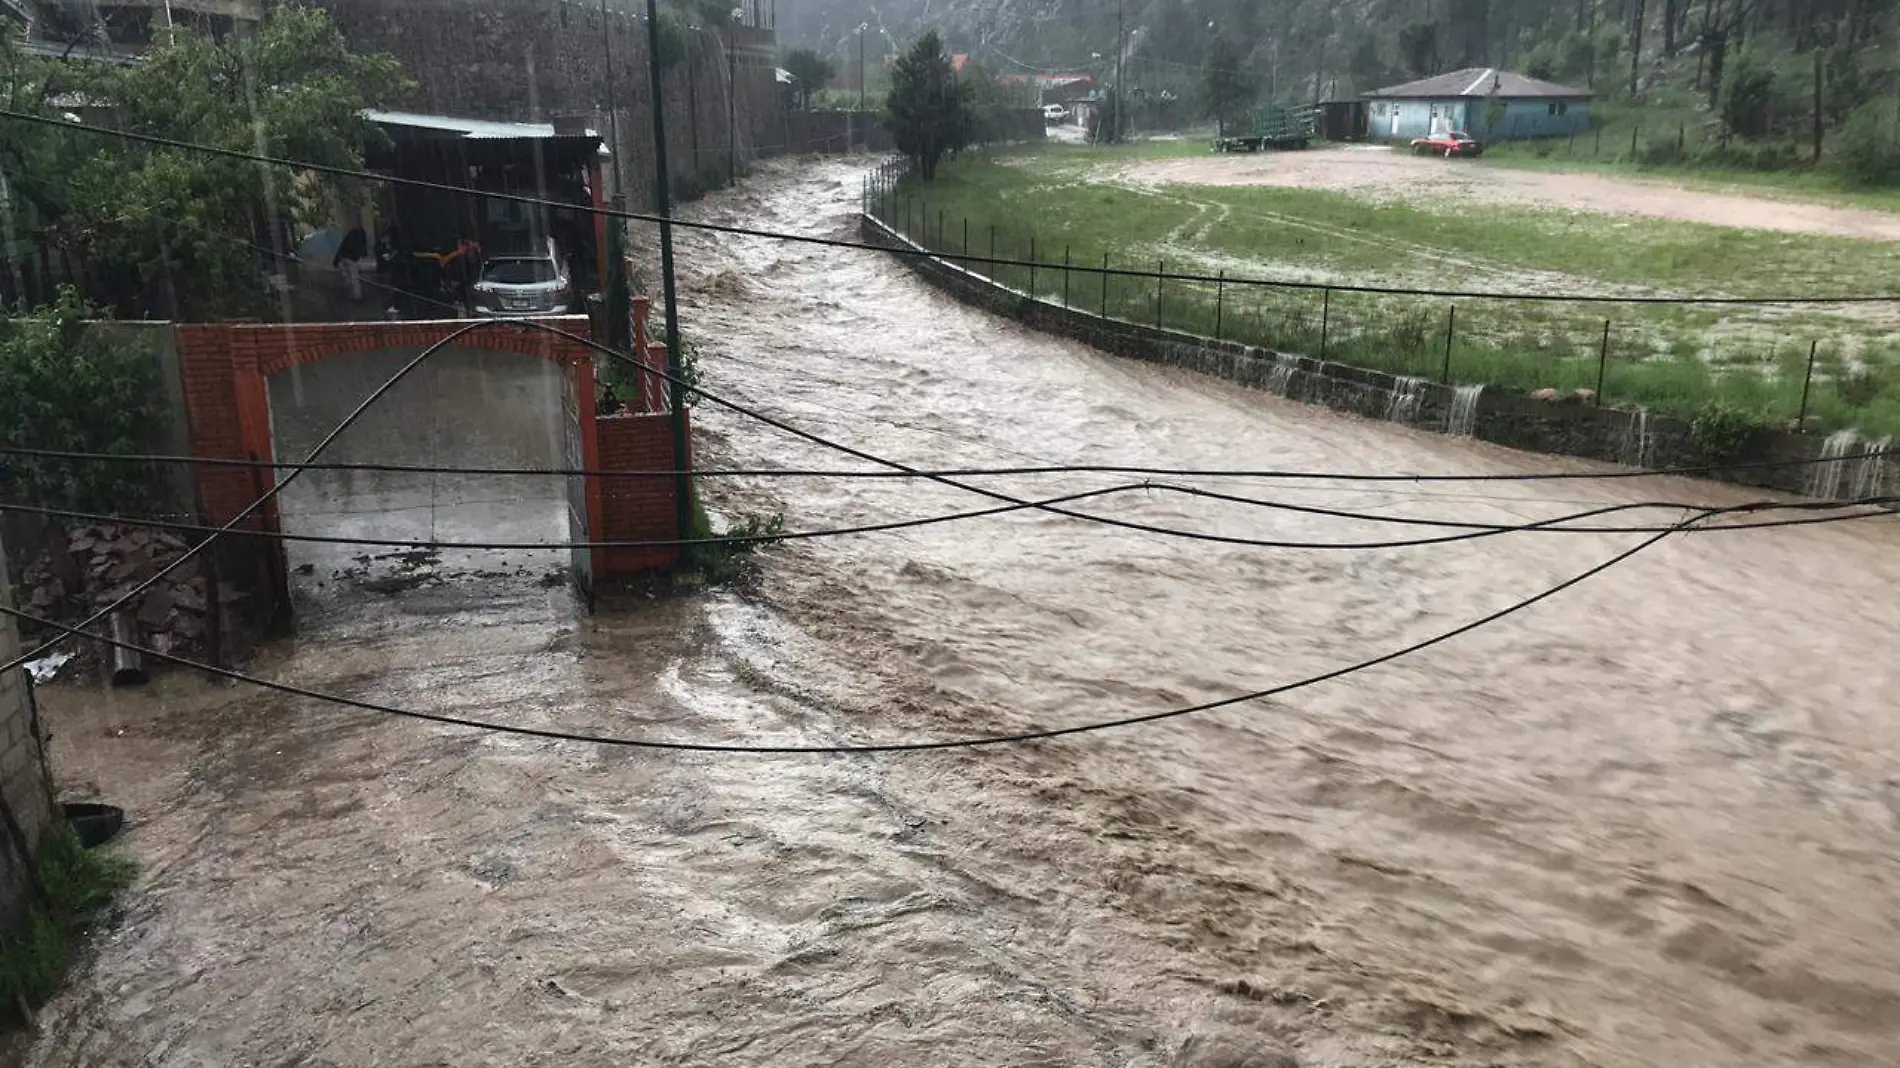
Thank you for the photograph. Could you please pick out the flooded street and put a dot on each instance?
(1652, 821)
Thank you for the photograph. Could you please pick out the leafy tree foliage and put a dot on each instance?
(811, 70)
(159, 232)
(1226, 88)
(927, 109)
(66, 385)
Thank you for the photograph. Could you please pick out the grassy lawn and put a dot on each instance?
(1054, 202)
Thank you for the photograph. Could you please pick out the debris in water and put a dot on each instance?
(47, 666)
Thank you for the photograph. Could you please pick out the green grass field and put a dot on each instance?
(1054, 202)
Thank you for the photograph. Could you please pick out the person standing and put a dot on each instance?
(349, 257)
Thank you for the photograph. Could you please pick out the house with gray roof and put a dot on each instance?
(1487, 103)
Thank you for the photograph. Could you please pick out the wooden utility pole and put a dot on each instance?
(1820, 73)
(1636, 45)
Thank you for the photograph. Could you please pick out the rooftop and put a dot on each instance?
(473, 129)
(1479, 82)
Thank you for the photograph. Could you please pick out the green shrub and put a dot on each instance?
(64, 385)
(78, 883)
(1722, 431)
(1866, 149)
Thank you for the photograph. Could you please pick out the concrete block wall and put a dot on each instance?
(23, 782)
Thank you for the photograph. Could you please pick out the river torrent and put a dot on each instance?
(1652, 821)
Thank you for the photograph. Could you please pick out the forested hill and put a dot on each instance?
(1292, 46)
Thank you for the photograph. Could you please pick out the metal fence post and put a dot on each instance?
(1603, 361)
(1451, 330)
(992, 265)
(1325, 319)
(966, 240)
(1220, 302)
(1104, 285)
(939, 229)
(1065, 277)
(1161, 279)
(1801, 421)
(1032, 266)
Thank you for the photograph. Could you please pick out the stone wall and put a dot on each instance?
(23, 782)
(1564, 427)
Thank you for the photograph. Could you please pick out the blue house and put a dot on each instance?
(1487, 103)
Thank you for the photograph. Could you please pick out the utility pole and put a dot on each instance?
(732, 97)
(663, 207)
(1121, 49)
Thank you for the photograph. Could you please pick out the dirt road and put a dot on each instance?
(1651, 822)
(1381, 174)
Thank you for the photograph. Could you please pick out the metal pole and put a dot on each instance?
(861, 97)
(1325, 319)
(1220, 302)
(1104, 285)
(939, 229)
(1121, 49)
(1451, 330)
(675, 366)
(1801, 421)
(1065, 277)
(992, 264)
(613, 114)
(1032, 266)
(1161, 279)
(1603, 361)
(732, 107)
(966, 238)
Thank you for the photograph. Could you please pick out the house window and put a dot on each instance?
(1563, 107)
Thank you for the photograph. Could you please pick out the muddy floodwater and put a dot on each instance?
(1652, 821)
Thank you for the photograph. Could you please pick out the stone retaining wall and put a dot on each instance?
(1564, 427)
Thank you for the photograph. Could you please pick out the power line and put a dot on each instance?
(957, 472)
(1016, 738)
(192, 551)
(740, 231)
(1554, 525)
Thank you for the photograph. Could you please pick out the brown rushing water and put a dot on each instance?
(1650, 822)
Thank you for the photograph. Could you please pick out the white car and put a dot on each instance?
(529, 283)
(1053, 113)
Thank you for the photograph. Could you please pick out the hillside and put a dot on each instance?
(1292, 47)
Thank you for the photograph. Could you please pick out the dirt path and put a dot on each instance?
(1381, 174)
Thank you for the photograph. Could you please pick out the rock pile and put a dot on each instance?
(103, 563)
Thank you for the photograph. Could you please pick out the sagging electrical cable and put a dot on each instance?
(740, 231)
(1556, 525)
(957, 472)
(985, 741)
(277, 487)
(734, 406)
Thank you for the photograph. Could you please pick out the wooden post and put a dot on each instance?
(1820, 72)
(1807, 384)
(1451, 329)
(1161, 279)
(1220, 302)
(1325, 320)
(1603, 361)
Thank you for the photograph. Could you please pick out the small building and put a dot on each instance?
(1489, 104)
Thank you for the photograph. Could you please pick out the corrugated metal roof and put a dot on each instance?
(474, 129)
(1480, 82)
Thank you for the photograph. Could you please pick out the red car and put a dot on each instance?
(1449, 145)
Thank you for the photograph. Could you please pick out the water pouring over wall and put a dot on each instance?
(1638, 442)
(1462, 419)
(1824, 480)
(1403, 404)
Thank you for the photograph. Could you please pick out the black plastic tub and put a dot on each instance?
(95, 824)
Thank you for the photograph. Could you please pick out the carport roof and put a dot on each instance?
(1479, 82)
